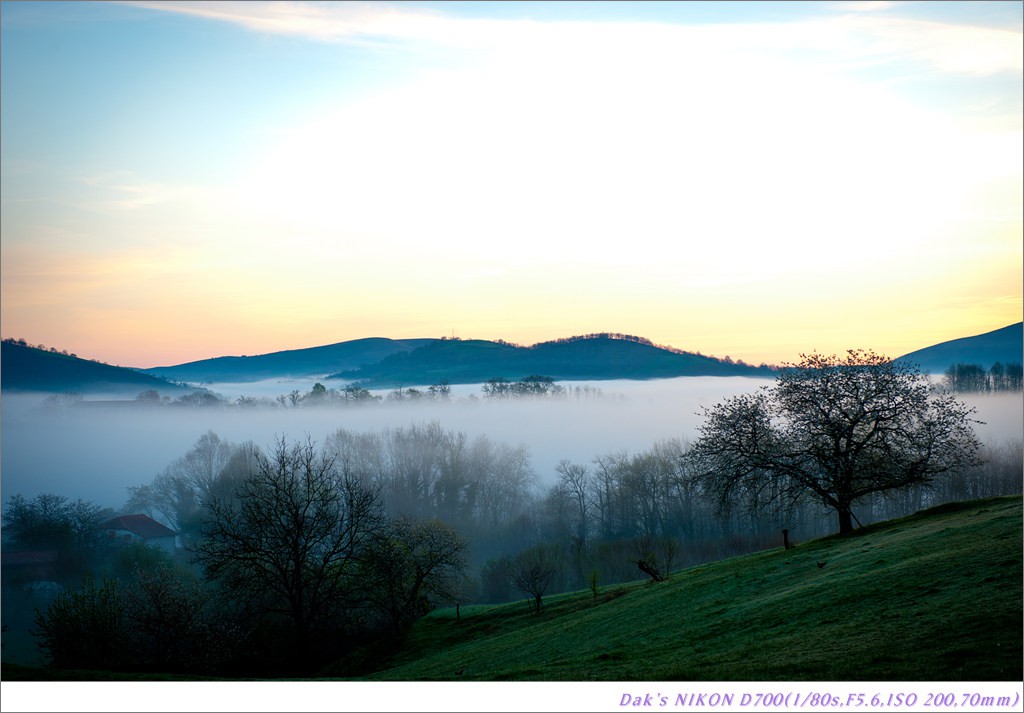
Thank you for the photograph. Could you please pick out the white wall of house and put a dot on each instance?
(166, 544)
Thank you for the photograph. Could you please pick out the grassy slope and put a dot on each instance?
(936, 596)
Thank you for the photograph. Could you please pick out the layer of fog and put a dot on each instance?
(97, 452)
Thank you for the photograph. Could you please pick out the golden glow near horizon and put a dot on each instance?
(754, 188)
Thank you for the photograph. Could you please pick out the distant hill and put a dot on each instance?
(27, 368)
(378, 362)
(1004, 345)
(599, 356)
(312, 361)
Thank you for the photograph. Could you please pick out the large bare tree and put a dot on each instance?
(291, 538)
(835, 429)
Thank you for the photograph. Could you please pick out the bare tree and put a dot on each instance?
(832, 429)
(291, 538)
(532, 571)
(655, 556)
(574, 479)
(177, 493)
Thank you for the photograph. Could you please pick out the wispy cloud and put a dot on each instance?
(867, 5)
(871, 30)
(124, 191)
(958, 49)
(326, 21)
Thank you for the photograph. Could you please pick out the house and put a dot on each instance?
(140, 528)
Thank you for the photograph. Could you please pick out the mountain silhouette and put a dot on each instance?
(1004, 345)
(28, 368)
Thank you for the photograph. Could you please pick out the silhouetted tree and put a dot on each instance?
(42, 522)
(497, 388)
(832, 429)
(442, 390)
(655, 556)
(532, 571)
(356, 394)
(1014, 376)
(575, 482)
(966, 377)
(291, 539)
(411, 567)
(536, 385)
(316, 395)
(50, 521)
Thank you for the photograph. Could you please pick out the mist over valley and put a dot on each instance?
(96, 451)
(102, 441)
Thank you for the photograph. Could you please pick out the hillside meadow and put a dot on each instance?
(931, 597)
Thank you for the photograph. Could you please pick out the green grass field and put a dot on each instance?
(934, 596)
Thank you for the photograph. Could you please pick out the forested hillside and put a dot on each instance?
(27, 368)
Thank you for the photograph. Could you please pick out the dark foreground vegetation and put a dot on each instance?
(338, 560)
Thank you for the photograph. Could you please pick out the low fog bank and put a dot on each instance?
(96, 452)
(1002, 414)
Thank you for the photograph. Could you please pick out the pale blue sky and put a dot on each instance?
(183, 180)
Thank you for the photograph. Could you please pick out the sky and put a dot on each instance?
(183, 180)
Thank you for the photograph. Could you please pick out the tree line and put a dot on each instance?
(535, 386)
(975, 378)
(41, 347)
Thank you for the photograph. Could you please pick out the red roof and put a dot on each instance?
(142, 525)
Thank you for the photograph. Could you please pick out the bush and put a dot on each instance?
(85, 629)
(158, 622)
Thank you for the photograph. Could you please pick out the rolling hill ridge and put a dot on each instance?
(27, 368)
(598, 356)
(311, 361)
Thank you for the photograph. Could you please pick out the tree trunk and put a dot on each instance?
(845, 520)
